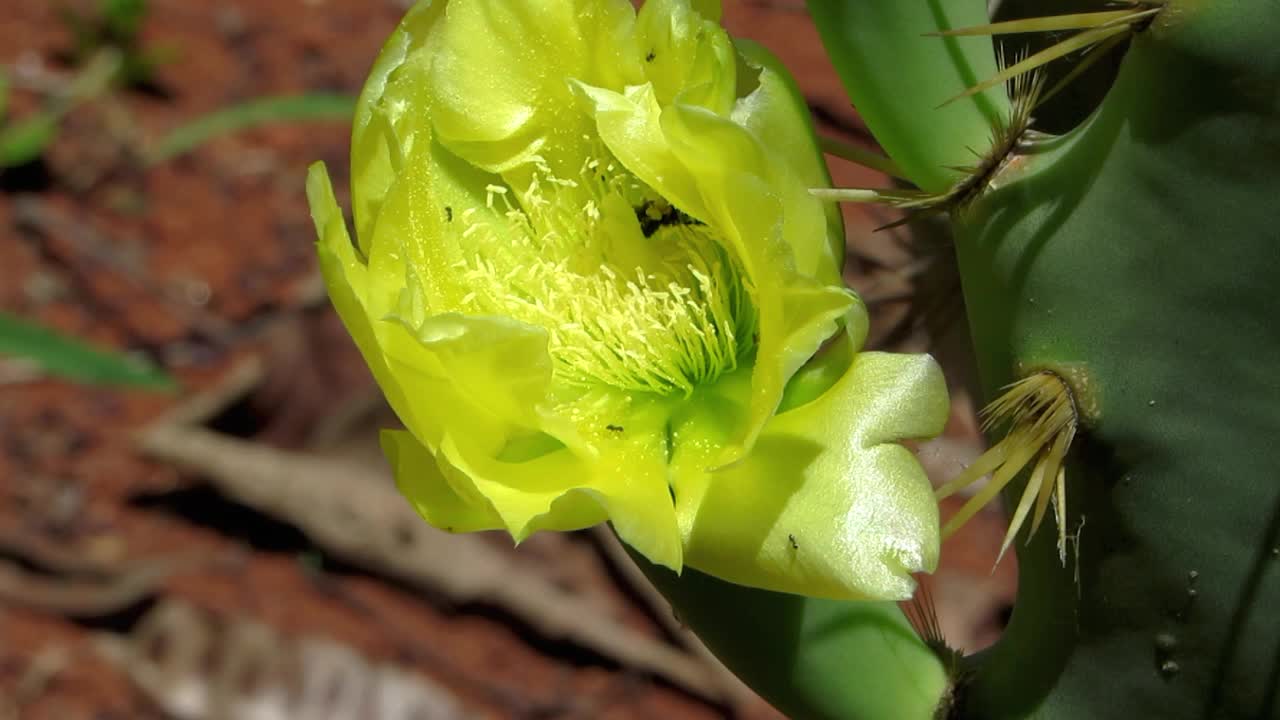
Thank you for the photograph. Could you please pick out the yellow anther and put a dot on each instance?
(662, 324)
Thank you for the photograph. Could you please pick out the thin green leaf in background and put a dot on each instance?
(69, 358)
(122, 19)
(263, 111)
(4, 95)
(26, 139)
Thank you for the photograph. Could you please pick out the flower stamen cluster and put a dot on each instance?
(633, 294)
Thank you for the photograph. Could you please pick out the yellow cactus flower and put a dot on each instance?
(592, 283)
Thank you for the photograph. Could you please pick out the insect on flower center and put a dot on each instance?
(633, 293)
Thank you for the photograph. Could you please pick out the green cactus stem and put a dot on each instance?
(1135, 258)
(1143, 248)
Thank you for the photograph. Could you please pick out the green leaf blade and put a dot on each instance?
(254, 113)
(69, 358)
(27, 139)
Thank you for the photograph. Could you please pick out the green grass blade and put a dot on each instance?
(897, 78)
(263, 111)
(123, 18)
(66, 357)
(26, 139)
(4, 95)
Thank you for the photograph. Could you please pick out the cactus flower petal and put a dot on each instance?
(592, 283)
(827, 503)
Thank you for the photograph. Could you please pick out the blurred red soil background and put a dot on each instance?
(130, 588)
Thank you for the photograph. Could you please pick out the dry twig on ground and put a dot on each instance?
(198, 667)
(76, 586)
(355, 513)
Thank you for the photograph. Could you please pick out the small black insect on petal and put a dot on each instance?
(654, 215)
(613, 428)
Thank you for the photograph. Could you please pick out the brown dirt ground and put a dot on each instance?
(206, 260)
